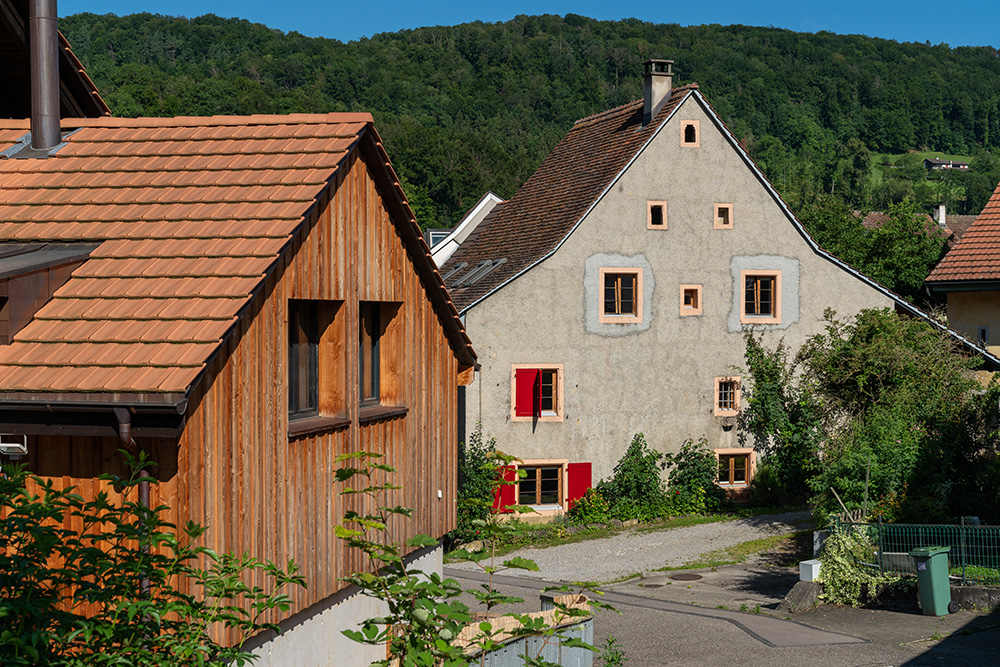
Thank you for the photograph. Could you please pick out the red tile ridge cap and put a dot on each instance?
(628, 105)
(204, 121)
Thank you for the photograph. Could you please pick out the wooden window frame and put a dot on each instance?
(325, 369)
(686, 310)
(752, 318)
(606, 318)
(649, 214)
(697, 134)
(717, 220)
(719, 410)
(555, 415)
(563, 466)
(733, 453)
(382, 348)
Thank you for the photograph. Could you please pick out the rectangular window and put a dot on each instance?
(303, 359)
(690, 300)
(723, 216)
(540, 485)
(734, 468)
(727, 396)
(536, 392)
(368, 352)
(761, 297)
(621, 296)
(657, 215)
(4, 321)
(317, 371)
(984, 336)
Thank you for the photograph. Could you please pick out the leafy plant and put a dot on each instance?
(693, 472)
(124, 587)
(424, 619)
(590, 508)
(476, 475)
(612, 654)
(636, 489)
(847, 575)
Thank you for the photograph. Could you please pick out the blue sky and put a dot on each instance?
(971, 23)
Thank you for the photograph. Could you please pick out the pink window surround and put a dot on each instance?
(690, 300)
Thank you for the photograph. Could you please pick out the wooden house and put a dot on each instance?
(244, 298)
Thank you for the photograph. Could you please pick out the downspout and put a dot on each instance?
(125, 435)
(43, 39)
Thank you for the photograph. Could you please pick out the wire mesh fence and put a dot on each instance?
(974, 559)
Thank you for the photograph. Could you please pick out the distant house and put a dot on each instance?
(968, 279)
(934, 164)
(243, 299)
(445, 245)
(610, 294)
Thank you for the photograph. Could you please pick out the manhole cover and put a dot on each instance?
(685, 577)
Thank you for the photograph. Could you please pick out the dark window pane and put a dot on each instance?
(368, 352)
(303, 358)
(656, 215)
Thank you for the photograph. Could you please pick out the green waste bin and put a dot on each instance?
(932, 578)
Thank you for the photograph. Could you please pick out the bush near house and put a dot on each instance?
(477, 472)
(882, 396)
(122, 586)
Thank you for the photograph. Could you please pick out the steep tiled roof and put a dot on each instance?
(533, 222)
(977, 255)
(190, 214)
(957, 225)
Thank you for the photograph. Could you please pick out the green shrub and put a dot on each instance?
(476, 473)
(845, 578)
(636, 489)
(591, 508)
(692, 477)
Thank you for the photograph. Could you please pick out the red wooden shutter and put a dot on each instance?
(527, 392)
(578, 482)
(503, 495)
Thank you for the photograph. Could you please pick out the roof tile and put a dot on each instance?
(977, 255)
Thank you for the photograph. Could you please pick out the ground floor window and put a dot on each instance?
(540, 485)
(734, 468)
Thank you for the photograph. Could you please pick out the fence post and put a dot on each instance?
(878, 545)
(962, 540)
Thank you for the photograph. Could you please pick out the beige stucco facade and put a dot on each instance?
(657, 376)
(970, 312)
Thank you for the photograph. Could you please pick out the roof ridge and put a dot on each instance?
(210, 121)
(618, 109)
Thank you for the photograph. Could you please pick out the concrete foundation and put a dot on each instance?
(314, 637)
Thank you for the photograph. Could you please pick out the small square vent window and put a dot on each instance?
(690, 300)
(723, 216)
(656, 217)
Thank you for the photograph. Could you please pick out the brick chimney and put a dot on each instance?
(657, 80)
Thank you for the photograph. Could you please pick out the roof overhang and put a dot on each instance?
(944, 286)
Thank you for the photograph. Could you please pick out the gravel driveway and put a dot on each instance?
(630, 552)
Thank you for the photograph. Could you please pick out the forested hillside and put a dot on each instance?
(477, 106)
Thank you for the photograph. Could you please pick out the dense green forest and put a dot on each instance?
(476, 107)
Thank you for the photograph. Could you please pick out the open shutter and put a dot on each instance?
(527, 392)
(504, 495)
(578, 482)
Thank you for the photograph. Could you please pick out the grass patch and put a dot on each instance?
(739, 553)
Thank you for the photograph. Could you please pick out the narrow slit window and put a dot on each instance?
(368, 352)
(303, 358)
(984, 336)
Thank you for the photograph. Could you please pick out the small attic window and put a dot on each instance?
(723, 216)
(656, 217)
(691, 133)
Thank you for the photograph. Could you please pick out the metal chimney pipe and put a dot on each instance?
(44, 42)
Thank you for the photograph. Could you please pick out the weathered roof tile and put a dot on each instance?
(977, 255)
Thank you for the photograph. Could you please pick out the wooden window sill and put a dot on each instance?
(376, 412)
(311, 425)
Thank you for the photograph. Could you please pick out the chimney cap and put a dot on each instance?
(658, 66)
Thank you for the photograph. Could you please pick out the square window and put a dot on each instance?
(727, 396)
(723, 216)
(760, 297)
(316, 368)
(621, 296)
(734, 469)
(691, 133)
(656, 217)
(690, 300)
(537, 392)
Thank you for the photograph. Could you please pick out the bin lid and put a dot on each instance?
(927, 552)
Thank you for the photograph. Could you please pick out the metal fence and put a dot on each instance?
(974, 559)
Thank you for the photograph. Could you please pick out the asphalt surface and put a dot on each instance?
(727, 615)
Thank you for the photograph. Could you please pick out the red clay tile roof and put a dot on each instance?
(533, 222)
(977, 255)
(191, 213)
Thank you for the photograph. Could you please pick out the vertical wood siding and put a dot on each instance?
(234, 467)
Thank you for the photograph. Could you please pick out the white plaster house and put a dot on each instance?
(609, 295)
